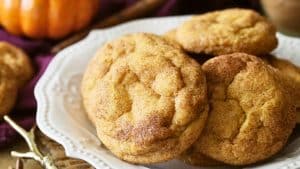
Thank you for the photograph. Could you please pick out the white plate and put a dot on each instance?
(61, 116)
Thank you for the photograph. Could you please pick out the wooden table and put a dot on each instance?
(6, 160)
(46, 146)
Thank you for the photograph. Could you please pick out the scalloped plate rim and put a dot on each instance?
(43, 102)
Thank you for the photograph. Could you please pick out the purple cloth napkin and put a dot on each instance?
(38, 50)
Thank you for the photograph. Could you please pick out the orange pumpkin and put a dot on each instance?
(52, 19)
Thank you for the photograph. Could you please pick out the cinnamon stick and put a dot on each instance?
(139, 9)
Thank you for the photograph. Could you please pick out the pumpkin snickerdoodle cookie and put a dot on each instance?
(227, 31)
(147, 98)
(291, 75)
(18, 62)
(8, 89)
(251, 114)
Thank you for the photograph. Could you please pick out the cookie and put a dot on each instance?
(171, 34)
(227, 31)
(251, 113)
(291, 73)
(148, 99)
(18, 61)
(8, 89)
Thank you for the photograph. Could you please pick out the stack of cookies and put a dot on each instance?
(15, 71)
(207, 92)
